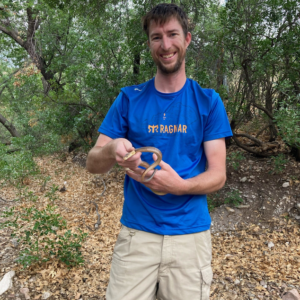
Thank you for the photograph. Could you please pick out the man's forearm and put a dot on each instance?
(100, 159)
(214, 177)
(208, 182)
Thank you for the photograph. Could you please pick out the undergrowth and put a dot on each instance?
(42, 233)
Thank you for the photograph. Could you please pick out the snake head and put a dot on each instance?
(129, 154)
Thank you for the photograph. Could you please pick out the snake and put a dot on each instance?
(146, 165)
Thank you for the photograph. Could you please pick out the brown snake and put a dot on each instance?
(146, 165)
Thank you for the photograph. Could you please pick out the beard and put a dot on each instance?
(170, 69)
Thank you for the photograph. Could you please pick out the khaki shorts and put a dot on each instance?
(147, 266)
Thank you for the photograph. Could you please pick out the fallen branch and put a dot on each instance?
(98, 223)
(8, 201)
(104, 188)
(255, 140)
(98, 217)
(248, 149)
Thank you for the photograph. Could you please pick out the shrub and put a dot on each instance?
(43, 235)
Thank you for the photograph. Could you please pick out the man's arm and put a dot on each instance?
(214, 177)
(107, 152)
(167, 180)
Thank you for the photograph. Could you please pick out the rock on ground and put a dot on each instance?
(6, 282)
(291, 295)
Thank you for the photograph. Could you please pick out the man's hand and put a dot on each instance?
(107, 152)
(165, 180)
(120, 148)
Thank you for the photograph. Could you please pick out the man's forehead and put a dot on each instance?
(169, 24)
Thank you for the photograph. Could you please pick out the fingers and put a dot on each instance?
(132, 162)
(136, 174)
(129, 147)
(123, 147)
(134, 157)
(162, 164)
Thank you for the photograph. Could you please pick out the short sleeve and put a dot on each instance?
(217, 125)
(115, 123)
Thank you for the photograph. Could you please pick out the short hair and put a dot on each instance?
(162, 13)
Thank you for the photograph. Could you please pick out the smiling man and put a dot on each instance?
(164, 248)
(168, 45)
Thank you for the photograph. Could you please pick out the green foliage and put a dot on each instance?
(51, 195)
(262, 45)
(68, 248)
(279, 163)
(235, 158)
(210, 204)
(288, 120)
(233, 198)
(213, 201)
(248, 52)
(43, 236)
(28, 195)
(15, 167)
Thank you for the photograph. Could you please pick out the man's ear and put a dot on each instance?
(188, 39)
(148, 43)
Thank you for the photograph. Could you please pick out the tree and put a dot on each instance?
(261, 39)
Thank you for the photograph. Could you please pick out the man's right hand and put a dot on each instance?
(103, 156)
(120, 148)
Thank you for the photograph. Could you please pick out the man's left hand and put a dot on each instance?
(165, 180)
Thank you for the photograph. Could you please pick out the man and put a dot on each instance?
(164, 249)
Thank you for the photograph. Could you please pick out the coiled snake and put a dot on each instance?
(146, 165)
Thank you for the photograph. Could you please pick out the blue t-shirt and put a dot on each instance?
(177, 124)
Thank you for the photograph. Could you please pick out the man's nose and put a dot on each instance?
(165, 43)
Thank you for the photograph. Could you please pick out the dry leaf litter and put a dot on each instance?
(245, 264)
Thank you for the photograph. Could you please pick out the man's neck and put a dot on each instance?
(170, 83)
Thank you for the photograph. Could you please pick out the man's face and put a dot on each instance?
(168, 45)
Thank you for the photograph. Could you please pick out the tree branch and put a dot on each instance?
(270, 115)
(13, 34)
(74, 104)
(10, 127)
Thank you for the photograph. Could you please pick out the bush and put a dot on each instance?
(278, 163)
(15, 167)
(233, 198)
(43, 236)
(288, 121)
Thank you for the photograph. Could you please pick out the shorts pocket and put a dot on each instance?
(206, 279)
(122, 247)
(119, 269)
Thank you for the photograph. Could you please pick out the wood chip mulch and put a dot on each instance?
(243, 264)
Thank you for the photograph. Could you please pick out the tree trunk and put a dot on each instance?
(30, 46)
(136, 65)
(269, 107)
(296, 153)
(220, 74)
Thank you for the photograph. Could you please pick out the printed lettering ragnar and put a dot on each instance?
(167, 128)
